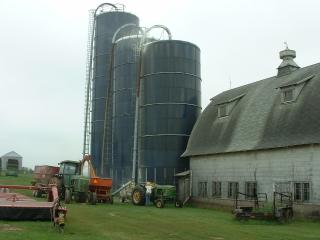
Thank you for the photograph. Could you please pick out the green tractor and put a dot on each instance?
(70, 183)
(161, 194)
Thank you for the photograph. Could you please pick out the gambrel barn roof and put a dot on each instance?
(259, 118)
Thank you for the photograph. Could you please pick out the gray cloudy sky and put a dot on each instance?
(43, 56)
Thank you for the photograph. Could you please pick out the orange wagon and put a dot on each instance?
(100, 189)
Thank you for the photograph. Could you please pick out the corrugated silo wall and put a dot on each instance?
(106, 25)
(169, 107)
(126, 58)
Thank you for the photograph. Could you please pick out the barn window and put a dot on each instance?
(202, 189)
(302, 191)
(288, 95)
(251, 190)
(216, 189)
(290, 92)
(233, 188)
(223, 110)
(226, 107)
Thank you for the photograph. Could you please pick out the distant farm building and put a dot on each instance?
(11, 159)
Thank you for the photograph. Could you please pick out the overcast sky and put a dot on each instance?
(43, 55)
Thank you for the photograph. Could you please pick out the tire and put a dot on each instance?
(82, 197)
(178, 204)
(76, 197)
(38, 193)
(92, 198)
(89, 200)
(67, 196)
(159, 203)
(138, 196)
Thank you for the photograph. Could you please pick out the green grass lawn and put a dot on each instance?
(124, 221)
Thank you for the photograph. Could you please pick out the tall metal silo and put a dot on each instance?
(170, 103)
(126, 59)
(105, 25)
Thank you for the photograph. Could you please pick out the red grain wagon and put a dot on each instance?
(42, 176)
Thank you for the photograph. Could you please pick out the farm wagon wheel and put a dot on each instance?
(92, 198)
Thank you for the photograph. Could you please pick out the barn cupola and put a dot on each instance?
(288, 65)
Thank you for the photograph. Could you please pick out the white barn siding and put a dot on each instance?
(266, 167)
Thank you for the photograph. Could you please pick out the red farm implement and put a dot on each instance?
(15, 206)
(42, 176)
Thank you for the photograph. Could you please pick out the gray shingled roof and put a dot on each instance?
(259, 120)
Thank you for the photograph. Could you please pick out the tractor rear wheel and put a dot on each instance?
(138, 195)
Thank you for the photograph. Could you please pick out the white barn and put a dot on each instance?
(261, 137)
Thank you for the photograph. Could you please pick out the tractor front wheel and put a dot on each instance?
(159, 203)
(138, 196)
(82, 197)
(67, 196)
(76, 197)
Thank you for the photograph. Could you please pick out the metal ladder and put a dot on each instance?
(88, 86)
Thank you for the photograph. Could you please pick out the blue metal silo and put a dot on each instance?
(126, 59)
(170, 103)
(106, 24)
